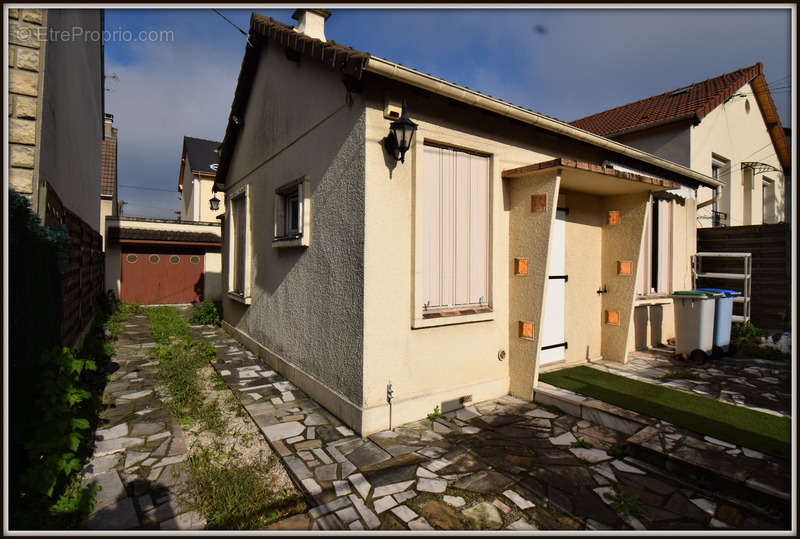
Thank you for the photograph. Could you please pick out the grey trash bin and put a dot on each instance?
(723, 315)
(694, 321)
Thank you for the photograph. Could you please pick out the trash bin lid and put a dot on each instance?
(726, 293)
(694, 294)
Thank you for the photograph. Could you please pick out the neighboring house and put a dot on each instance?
(199, 162)
(108, 175)
(156, 261)
(449, 275)
(726, 127)
(55, 130)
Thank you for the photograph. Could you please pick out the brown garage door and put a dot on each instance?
(152, 276)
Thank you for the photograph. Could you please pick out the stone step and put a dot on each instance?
(645, 438)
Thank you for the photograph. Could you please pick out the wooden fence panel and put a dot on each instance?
(770, 246)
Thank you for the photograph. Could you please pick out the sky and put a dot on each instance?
(565, 63)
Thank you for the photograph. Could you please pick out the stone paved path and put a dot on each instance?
(140, 449)
(756, 383)
(504, 464)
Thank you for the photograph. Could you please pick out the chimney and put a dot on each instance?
(108, 123)
(311, 22)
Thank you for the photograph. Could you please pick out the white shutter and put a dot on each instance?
(431, 290)
(456, 223)
(479, 230)
(664, 246)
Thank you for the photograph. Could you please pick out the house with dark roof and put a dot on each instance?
(108, 174)
(199, 161)
(386, 229)
(726, 127)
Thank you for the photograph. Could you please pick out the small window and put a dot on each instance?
(132, 259)
(174, 259)
(154, 259)
(680, 91)
(291, 206)
(195, 260)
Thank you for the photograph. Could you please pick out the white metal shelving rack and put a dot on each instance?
(746, 278)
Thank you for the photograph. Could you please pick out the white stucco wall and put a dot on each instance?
(670, 141)
(730, 132)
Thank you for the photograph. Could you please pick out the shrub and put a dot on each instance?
(745, 331)
(207, 313)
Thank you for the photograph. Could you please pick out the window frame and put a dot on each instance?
(655, 264)
(230, 221)
(456, 315)
(283, 234)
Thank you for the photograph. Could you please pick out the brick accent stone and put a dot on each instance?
(23, 82)
(612, 317)
(22, 131)
(28, 58)
(21, 156)
(520, 266)
(624, 267)
(613, 217)
(25, 107)
(21, 180)
(525, 330)
(538, 203)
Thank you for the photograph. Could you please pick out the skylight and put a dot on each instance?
(680, 91)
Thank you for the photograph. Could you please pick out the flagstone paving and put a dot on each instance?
(502, 464)
(140, 449)
(760, 384)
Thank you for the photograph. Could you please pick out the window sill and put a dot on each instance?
(447, 318)
(301, 241)
(660, 299)
(241, 299)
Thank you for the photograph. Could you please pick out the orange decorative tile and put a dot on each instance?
(538, 203)
(613, 217)
(612, 317)
(520, 266)
(624, 267)
(525, 330)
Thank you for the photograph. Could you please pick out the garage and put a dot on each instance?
(169, 266)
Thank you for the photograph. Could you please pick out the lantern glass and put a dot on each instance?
(214, 203)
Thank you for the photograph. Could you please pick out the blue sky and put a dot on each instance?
(565, 63)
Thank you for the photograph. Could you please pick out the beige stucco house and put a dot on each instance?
(199, 161)
(726, 127)
(504, 241)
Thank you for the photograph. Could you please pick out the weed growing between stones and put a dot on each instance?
(239, 496)
(238, 483)
(207, 313)
(581, 443)
(435, 414)
(619, 450)
(624, 503)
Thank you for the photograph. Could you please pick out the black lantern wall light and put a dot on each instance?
(214, 202)
(401, 134)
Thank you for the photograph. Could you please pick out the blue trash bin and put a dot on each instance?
(723, 314)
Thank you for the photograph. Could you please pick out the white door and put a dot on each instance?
(553, 340)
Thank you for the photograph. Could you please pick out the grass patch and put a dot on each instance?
(746, 348)
(180, 359)
(756, 430)
(435, 414)
(679, 375)
(238, 496)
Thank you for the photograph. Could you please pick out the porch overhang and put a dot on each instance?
(591, 178)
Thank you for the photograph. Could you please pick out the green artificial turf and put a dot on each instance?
(749, 428)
